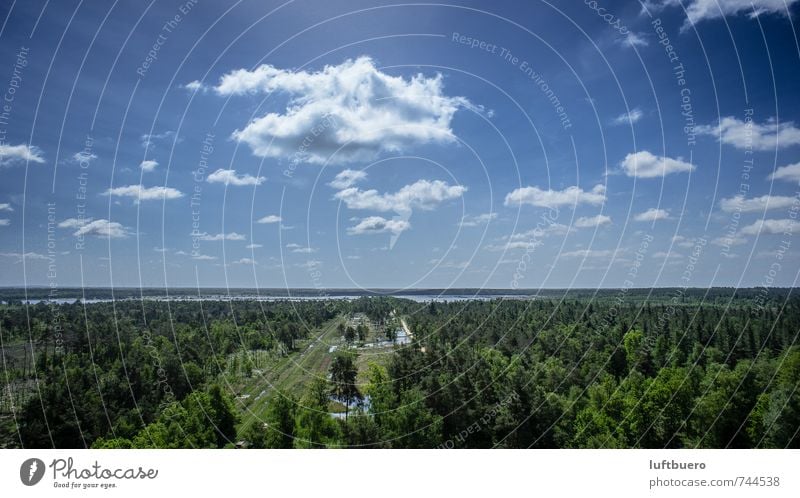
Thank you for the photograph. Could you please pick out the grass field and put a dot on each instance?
(291, 374)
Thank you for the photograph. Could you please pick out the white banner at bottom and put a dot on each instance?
(400, 473)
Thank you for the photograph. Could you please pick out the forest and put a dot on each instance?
(655, 368)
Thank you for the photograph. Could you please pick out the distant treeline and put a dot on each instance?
(17, 295)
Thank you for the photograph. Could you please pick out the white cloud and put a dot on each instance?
(99, 228)
(665, 254)
(139, 193)
(195, 86)
(699, 10)
(253, 246)
(74, 222)
(422, 194)
(345, 113)
(528, 239)
(735, 240)
(300, 249)
(681, 241)
(4, 222)
(481, 219)
(631, 117)
(223, 236)
(652, 214)
(13, 154)
(556, 198)
(747, 135)
(269, 219)
(229, 177)
(518, 244)
(457, 265)
(789, 173)
(635, 40)
(83, 157)
(28, 255)
(148, 166)
(149, 139)
(770, 227)
(244, 261)
(589, 253)
(6, 207)
(204, 257)
(643, 164)
(755, 204)
(347, 178)
(592, 221)
(377, 224)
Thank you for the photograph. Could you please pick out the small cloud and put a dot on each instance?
(681, 241)
(83, 157)
(788, 173)
(297, 248)
(422, 194)
(22, 153)
(148, 166)
(782, 226)
(99, 228)
(574, 195)
(223, 236)
(740, 203)
(27, 256)
(310, 264)
(514, 245)
(592, 221)
(150, 139)
(253, 246)
(745, 135)
(347, 178)
(4, 222)
(140, 193)
(481, 219)
(734, 240)
(643, 164)
(628, 117)
(378, 224)
(635, 40)
(244, 261)
(6, 207)
(74, 222)
(589, 253)
(195, 86)
(229, 177)
(269, 219)
(652, 215)
(203, 257)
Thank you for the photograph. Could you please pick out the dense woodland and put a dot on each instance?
(653, 369)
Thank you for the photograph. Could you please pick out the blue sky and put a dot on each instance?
(368, 144)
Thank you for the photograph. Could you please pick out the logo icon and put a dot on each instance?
(31, 471)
